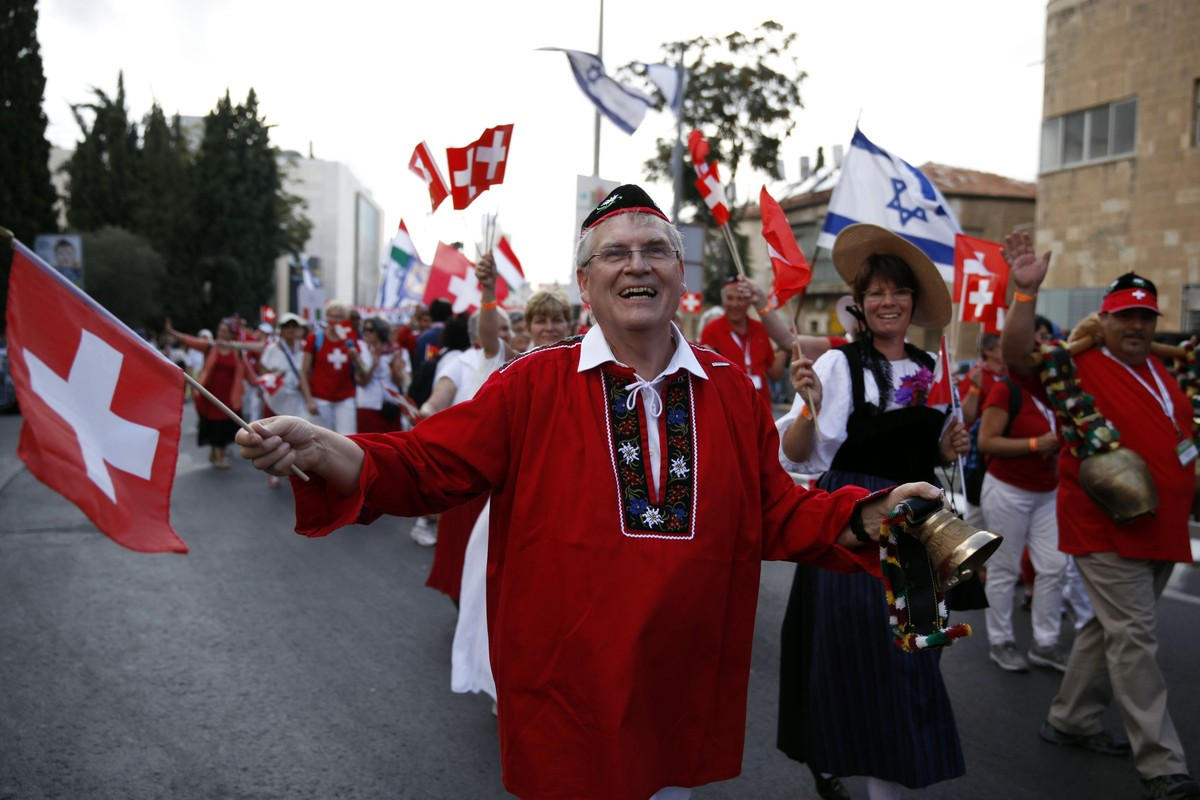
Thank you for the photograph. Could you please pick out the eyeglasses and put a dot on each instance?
(898, 295)
(368, 329)
(620, 256)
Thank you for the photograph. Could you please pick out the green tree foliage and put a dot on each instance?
(163, 178)
(105, 169)
(239, 219)
(27, 196)
(125, 275)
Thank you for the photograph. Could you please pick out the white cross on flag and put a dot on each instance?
(269, 382)
(691, 302)
(708, 178)
(102, 408)
(980, 282)
(478, 165)
(452, 277)
(426, 168)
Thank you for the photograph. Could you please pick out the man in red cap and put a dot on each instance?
(743, 340)
(635, 488)
(1124, 567)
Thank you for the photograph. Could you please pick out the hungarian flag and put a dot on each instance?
(792, 271)
(269, 382)
(102, 408)
(479, 165)
(507, 265)
(941, 390)
(452, 276)
(426, 168)
(980, 282)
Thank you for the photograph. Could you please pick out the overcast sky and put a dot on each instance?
(958, 82)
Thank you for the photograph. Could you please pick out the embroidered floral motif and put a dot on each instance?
(914, 388)
(671, 517)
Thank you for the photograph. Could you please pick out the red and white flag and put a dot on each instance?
(940, 390)
(402, 401)
(102, 408)
(266, 314)
(423, 164)
(270, 383)
(980, 282)
(708, 178)
(691, 302)
(452, 276)
(479, 165)
(507, 265)
(792, 271)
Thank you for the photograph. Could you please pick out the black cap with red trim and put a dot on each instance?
(1130, 291)
(621, 200)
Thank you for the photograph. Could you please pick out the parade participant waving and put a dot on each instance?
(840, 675)
(635, 490)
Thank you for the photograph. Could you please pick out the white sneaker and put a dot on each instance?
(424, 533)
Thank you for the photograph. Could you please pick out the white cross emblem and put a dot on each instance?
(466, 291)
(493, 155)
(975, 266)
(981, 298)
(337, 357)
(1138, 294)
(84, 401)
(691, 303)
(462, 177)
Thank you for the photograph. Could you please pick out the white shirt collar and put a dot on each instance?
(594, 351)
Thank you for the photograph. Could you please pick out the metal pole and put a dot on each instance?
(677, 155)
(600, 55)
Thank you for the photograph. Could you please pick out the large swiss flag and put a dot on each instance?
(102, 408)
(452, 277)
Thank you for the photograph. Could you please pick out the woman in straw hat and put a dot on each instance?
(851, 702)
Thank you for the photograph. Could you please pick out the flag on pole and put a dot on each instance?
(423, 164)
(671, 81)
(980, 282)
(708, 180)
(102, 408)
(623, 105)
(877, 187)
(269, 382)
(478, 165)
(792, 270)
(941, 389)
(452, 276)
(267, 314)
(507, 265)
(402, 256)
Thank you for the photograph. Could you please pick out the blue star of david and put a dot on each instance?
(905, 213)
(594, 73)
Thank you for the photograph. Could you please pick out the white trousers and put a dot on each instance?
(1024, 519)
(340, 416)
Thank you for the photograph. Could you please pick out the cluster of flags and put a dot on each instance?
(708, 178)
(473, 169)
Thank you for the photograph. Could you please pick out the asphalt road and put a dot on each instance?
(267, 665)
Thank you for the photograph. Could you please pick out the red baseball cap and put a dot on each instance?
(1130, 291)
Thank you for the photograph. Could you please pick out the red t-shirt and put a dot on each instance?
(1034, 472)
(1145, 429)
(332, 376)
(987, 380)
(752, 351)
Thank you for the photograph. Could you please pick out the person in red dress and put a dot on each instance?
(636, 489)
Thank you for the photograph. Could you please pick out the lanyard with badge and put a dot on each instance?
(746, 354)
(1186, 449)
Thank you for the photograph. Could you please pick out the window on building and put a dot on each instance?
(1191, 306)
(1196, 115)
(1091, 135)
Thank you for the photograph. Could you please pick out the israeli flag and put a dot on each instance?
(877, 187)
(622, 104)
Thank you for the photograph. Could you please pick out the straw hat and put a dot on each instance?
(859, 241)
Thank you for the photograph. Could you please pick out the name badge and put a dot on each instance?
(1186, 450)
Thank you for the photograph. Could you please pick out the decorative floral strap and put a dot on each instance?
(904, 631)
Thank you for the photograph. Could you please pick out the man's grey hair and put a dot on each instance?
(583, 250)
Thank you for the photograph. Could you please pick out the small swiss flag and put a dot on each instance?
(940, 391)
(479, 165)
(269, 382)
(452, 276)
(691, 303)
(102, 408)
(426, 169)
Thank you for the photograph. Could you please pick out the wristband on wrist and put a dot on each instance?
(1033, 444)
(488, 306)
(806, 412)
(973, 390)
(763, 311)
(856, 525)
(1021, 297)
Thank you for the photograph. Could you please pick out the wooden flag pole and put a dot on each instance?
(796, 351)
(732, 245)
(229, 412)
